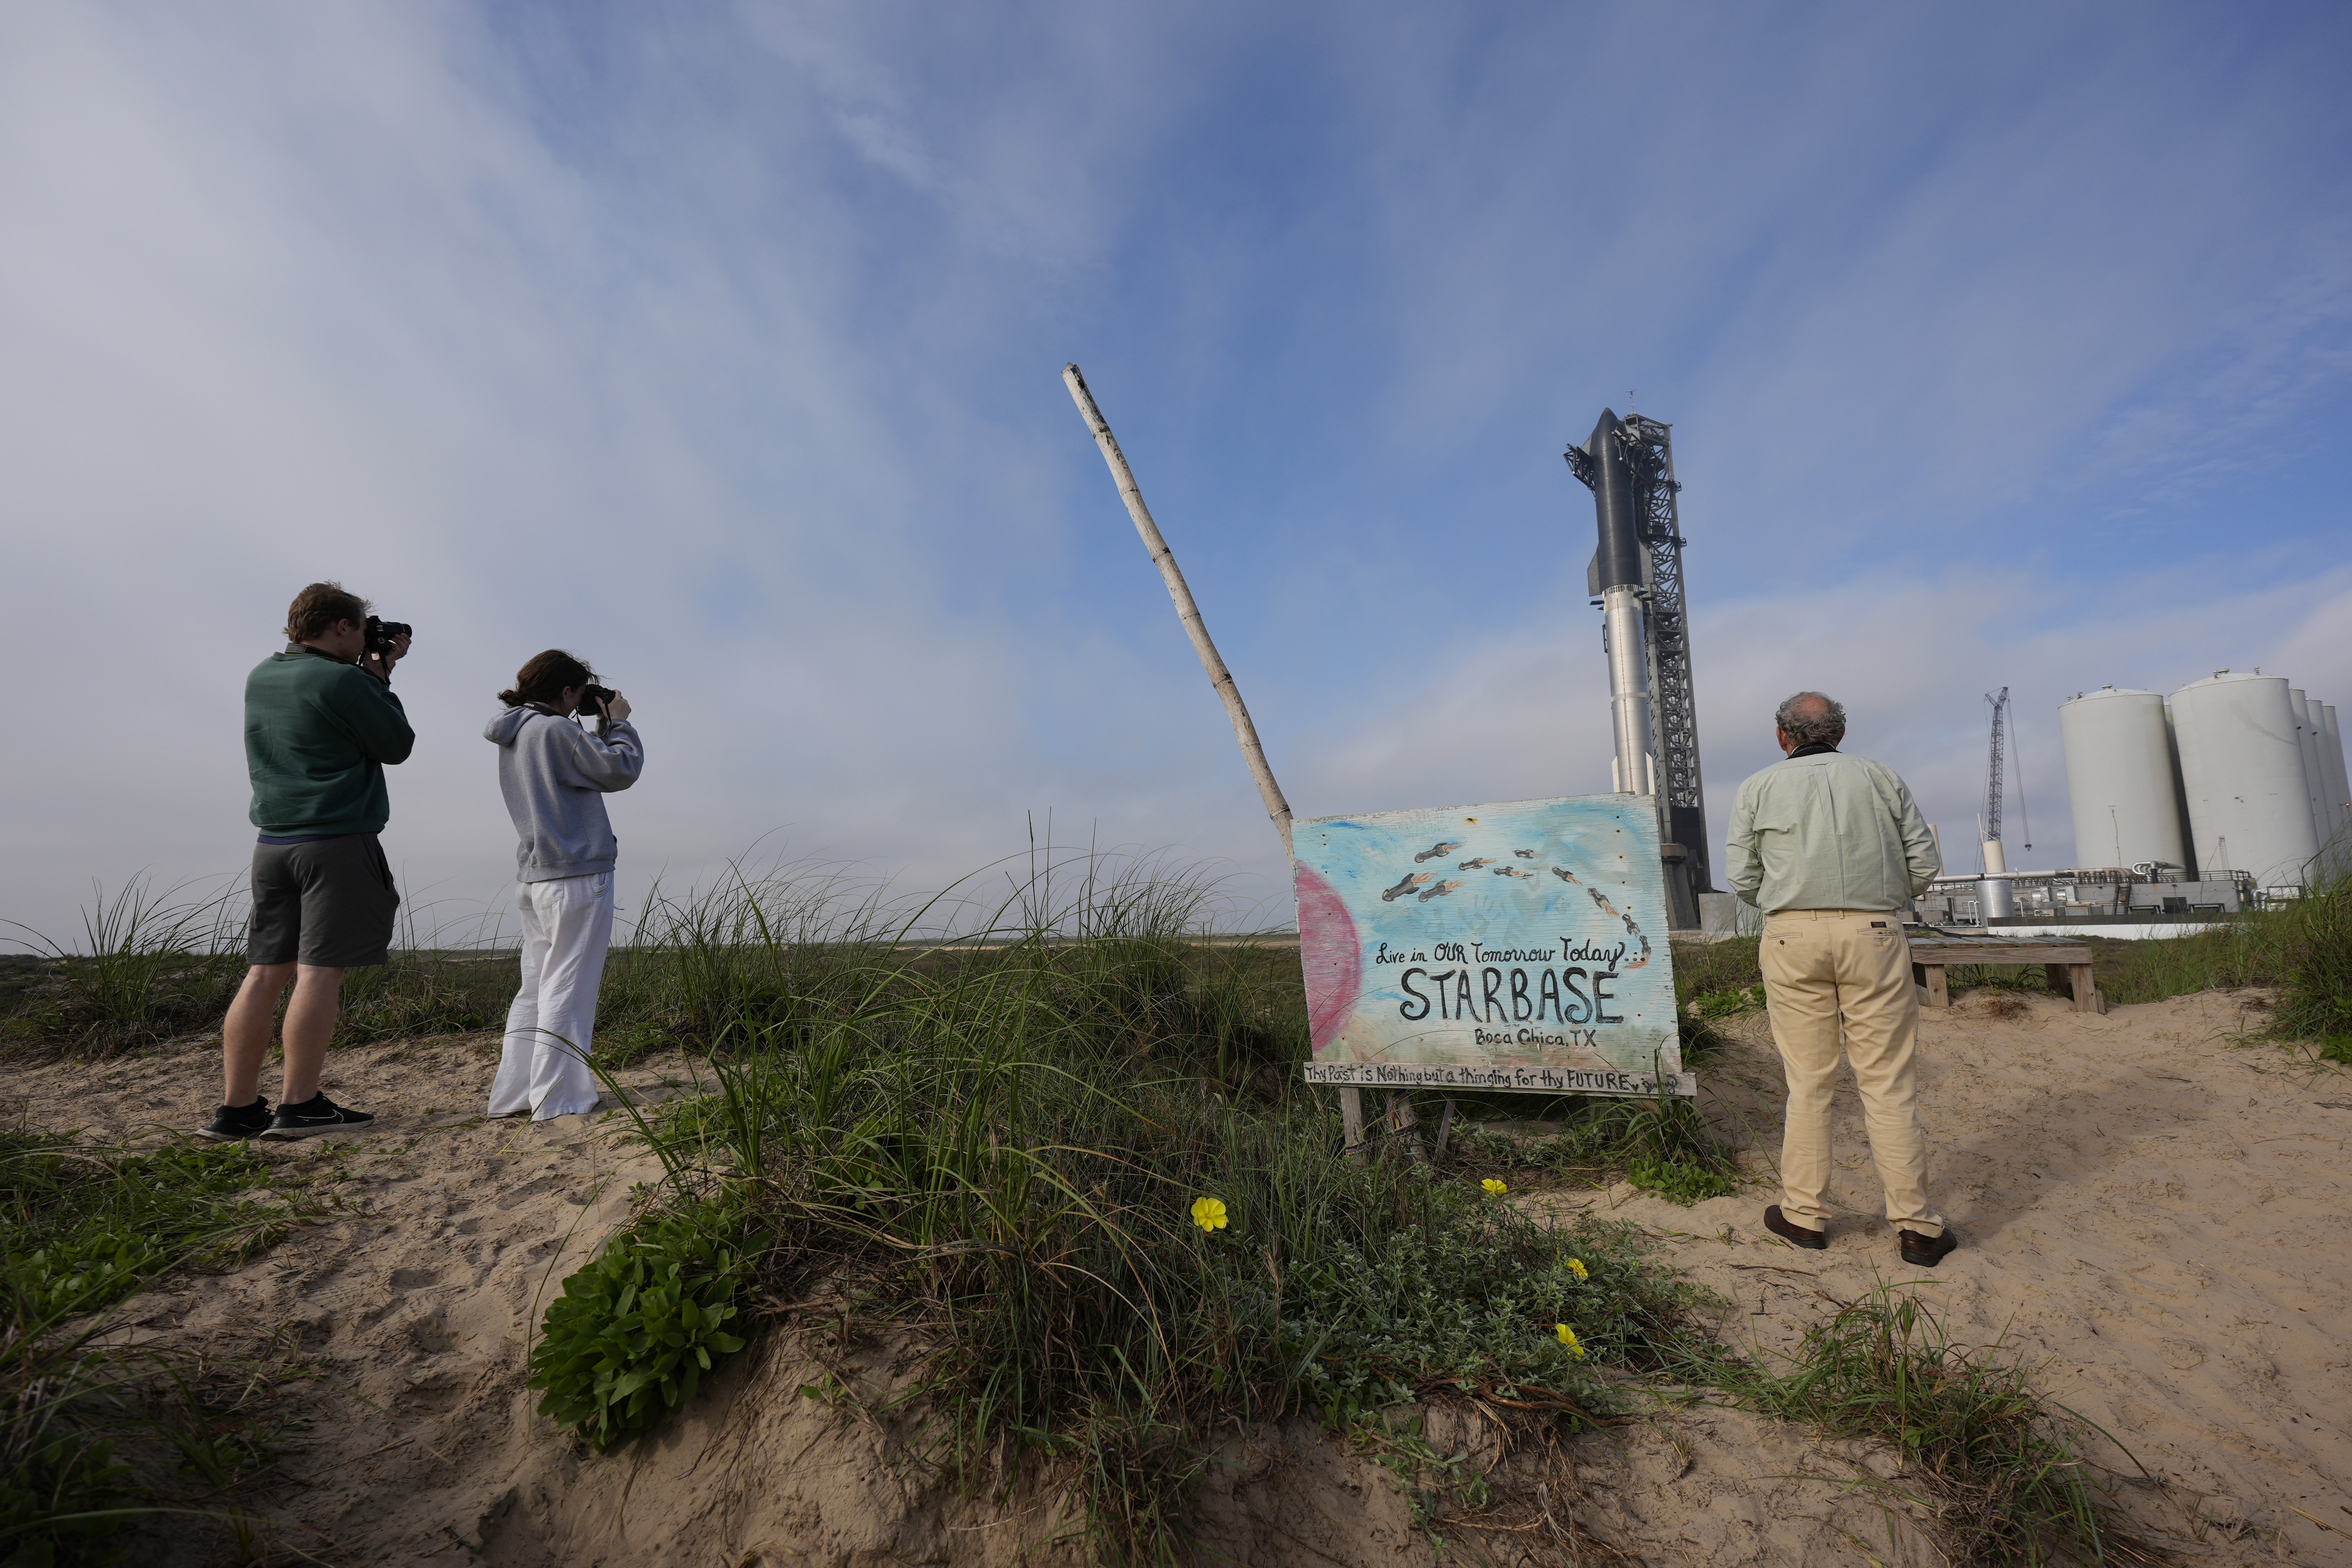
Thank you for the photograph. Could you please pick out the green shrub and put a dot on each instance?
(1683, 1184)
(639, 1327)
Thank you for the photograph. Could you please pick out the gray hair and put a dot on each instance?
(1812, 718)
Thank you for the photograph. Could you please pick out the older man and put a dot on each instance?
(1831, 849)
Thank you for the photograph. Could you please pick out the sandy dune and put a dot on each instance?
(2147, 1210)
(2150, 1211)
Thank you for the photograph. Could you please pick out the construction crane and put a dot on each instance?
(2000, 705)
(1993, 769)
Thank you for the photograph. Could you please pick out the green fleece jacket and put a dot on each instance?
(318, 734)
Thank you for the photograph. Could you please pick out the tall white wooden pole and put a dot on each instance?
(1187, 611)
(1351, 1099)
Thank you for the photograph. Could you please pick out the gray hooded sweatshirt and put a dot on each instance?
(555, 777)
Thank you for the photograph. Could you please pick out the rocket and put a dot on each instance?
(1617, 577)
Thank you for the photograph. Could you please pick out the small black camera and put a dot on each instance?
(592, 699)
(380, 633)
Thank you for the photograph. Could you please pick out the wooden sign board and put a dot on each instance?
(1520, 946)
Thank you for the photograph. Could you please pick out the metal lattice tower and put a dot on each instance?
(1992, 770)
(1647, 446)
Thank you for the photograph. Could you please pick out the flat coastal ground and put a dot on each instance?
(2152, 1212)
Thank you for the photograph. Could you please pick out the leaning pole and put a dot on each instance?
(1351, 1101)
(1187, 611)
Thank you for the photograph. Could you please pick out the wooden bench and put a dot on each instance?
(2067, 963)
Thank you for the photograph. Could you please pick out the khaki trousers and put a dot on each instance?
(1821, 967)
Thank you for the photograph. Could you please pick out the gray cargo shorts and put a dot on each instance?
(328, 902)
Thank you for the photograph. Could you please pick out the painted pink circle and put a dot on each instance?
(1329, 954)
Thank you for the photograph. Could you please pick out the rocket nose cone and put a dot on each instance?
(1606, 425)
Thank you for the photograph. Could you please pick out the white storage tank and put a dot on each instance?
(2331, 763)
(2119, 778)
(2242, 769)
(2314, 782)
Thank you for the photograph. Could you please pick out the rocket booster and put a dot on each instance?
(1617, 578)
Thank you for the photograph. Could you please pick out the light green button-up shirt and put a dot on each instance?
(1829, 832)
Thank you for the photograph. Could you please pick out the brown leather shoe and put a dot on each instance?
(1792, 1233)
(1926, 1251)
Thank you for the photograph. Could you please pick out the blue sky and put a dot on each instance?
(722, 345)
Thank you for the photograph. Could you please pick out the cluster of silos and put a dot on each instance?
(2236, 773)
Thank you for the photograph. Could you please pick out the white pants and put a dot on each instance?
(567, 924)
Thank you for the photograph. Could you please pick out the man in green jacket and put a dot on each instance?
(1833, 849)
(320, 725)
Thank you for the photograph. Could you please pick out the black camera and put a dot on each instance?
(592, 699)
(380, 633)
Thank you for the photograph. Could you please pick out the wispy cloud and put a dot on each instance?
(723, 346)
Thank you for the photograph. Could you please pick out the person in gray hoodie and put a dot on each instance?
(555, 777)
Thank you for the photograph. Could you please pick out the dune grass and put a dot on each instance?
(1072, 1163)
(1998, 1465)
(150, 964)
(98, 1429)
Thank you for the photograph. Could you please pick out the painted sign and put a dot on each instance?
(1520, 946)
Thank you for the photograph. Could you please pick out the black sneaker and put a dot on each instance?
(1789, 1231)
(231, 1123)
(315, 1115)
(1926, 1251)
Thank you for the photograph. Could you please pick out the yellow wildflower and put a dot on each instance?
(1568, 1337)
(1209, 1214)
(1494, 1187)
(1575, 1266)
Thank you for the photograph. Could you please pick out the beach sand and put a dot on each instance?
(2149, 1213)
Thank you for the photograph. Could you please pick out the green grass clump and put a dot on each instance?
(1661, 1145)
(149, 965)
(1725, 1003)
(1998, 1462)
(82, 1225)
(91, 1431)
(1709, 968)
(2315, 941)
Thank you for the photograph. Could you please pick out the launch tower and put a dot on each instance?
(1636, 578)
